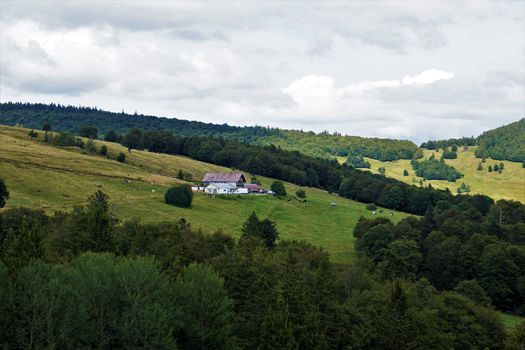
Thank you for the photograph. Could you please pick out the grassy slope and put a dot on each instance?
(41, 176)
(508, 185)
(510, 321)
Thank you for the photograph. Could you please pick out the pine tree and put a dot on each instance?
(269, 233)
(180, 175)
(480, 167)
(496, 167)
(252, 226)
(490, 168)
(405, 172)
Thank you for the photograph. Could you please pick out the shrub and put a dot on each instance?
(103, 150)
(278, 188)
(450, 155)
(111, 136)
(64, 139)
(300, 193)
(180, 196)
(381, 170)
(405, 172)
(89, 131)
(371, 207)
(121, 157)
(32, 134)
(90, 146)
(4, 193)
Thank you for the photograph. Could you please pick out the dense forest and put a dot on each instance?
(479, 252)
(84, 280)
(323, 145)
(504, 143)
(73, 119)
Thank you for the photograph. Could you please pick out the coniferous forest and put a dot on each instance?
(323, 145)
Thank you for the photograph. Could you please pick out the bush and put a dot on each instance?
(180, 196)
(121, 157)
(103, 150)
(450, 155)
(4, 193)
(89, 131)
(300, 194)
(381, 170)
(278, 188)
(90, 146)
(405, 172)
(111, 136)
(32, 134)
(371, 207)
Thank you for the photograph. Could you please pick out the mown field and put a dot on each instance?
(508, 185)
(39, 175)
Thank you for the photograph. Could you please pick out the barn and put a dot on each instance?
(235, 179)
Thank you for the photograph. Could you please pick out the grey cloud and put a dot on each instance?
(229, 61)
(198, 35)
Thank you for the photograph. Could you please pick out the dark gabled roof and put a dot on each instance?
(224, 177)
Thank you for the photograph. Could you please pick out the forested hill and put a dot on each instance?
(322, 145)
(504, 143)
(72, 118)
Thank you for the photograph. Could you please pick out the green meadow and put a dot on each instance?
(39, 175)
(510, 184)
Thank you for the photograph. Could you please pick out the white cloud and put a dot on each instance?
(427, 77)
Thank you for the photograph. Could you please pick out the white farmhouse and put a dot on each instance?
(220, 188)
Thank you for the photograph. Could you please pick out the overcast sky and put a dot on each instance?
(410, 69)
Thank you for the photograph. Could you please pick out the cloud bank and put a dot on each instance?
(387, 69)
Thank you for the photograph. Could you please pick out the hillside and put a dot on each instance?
(325, 145)
(42, 176)
(504, 143)
(508, 185)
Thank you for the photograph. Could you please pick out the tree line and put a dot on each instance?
(328, 145)
(90, 122)
(85, 280)
(74, 118)
(439, 144)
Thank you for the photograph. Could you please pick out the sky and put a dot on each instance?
(413, 70)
